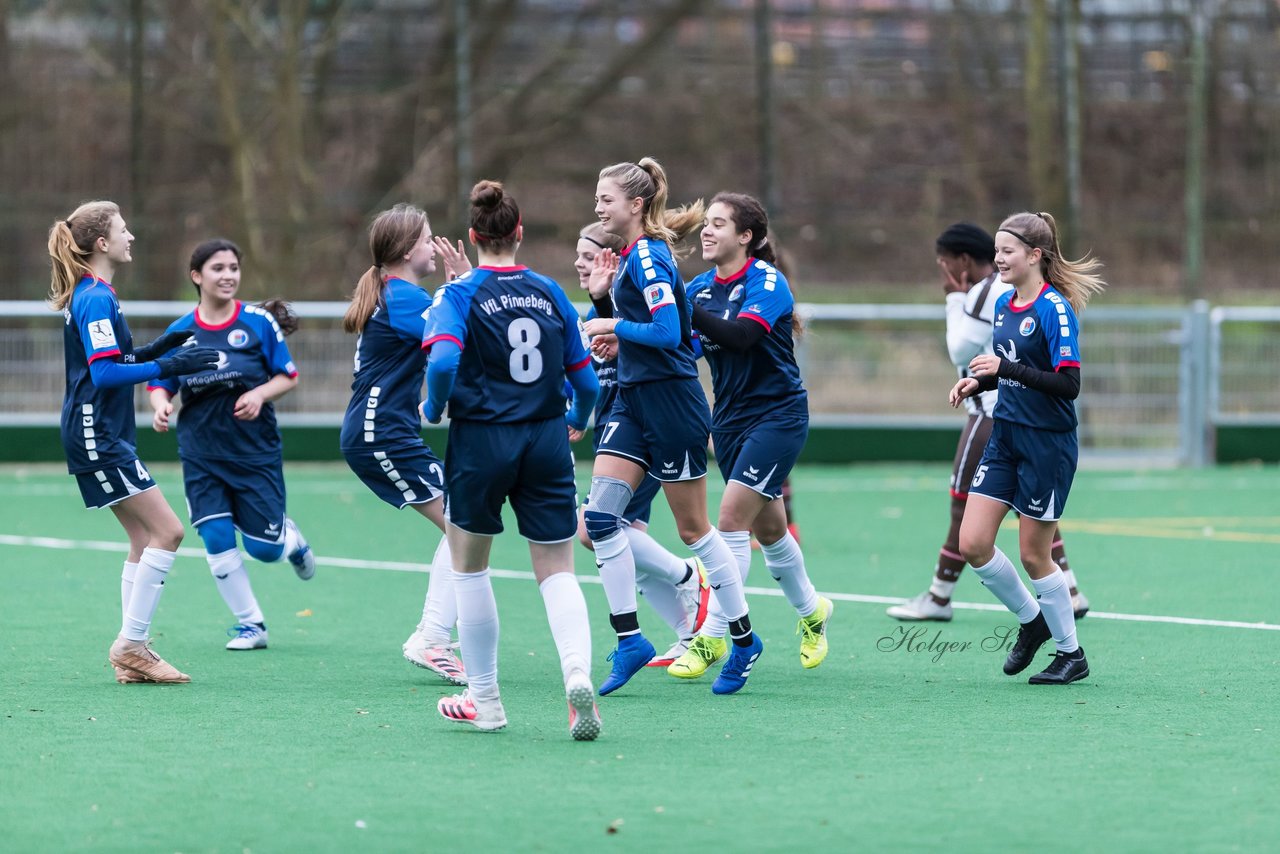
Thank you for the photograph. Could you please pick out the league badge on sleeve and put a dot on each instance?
(101, 334)
(1064, 352)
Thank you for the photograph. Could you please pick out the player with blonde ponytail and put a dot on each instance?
(98, 429)
(661, 422)
(1030, 459)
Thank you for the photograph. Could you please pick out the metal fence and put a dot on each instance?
(1156, 380)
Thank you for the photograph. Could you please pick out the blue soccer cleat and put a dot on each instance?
(632, 654)
(733, 676)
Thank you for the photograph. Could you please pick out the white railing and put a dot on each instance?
(1156, 380)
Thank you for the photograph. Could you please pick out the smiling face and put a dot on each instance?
(1018, 264)
(117, 245)
(585, 258)
(421, 258)
(721, 241)
(218, 279)
(618, 214)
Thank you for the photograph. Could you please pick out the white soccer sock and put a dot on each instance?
(662, 596)
(1055, 601)
(1003, 580)
(739, 543)
(785, 563)
(440, 610)
(723, 572)
(126, 586)
(653, 558)
(716, 625)
(567, 616)
(478, 630)
(942, 589)
(232, 581)
(148, 584)
(617, 572)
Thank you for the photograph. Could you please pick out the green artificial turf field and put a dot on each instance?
(329, 740)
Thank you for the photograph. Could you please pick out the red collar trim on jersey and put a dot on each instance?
(1013, 307)
(515, 269)
(737, 275)
(94, 280)
(211, 327)
(627, 251)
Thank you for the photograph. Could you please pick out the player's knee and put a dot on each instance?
(219, 535)
(608, 500)
(977, 550)
(263, 551)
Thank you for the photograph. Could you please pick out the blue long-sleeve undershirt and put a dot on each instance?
(586, 388)
(663, 332)
(108, 373)
(442, 369)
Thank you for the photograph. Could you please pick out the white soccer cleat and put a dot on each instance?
(439, 658)
(247, 636)
(695, 595)
(302, 558)
(484, 715)
(584, 715)
(920, 608)
(669, 657)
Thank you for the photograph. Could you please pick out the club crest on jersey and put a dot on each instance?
(1027, 326)
(237, 338)
(655, 295)
(736, 293)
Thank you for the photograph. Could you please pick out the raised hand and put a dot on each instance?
(453, 258)
(603, 270)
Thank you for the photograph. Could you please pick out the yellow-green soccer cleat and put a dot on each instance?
(813, 634)
(702, 653)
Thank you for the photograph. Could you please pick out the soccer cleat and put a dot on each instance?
(921, 607)
(733, 676)
(128, 677)
(439, 658)
(669, 657)
(138, 659)
(1066, 667)
(584, 715)
(702, 653)
(484, 715)
(633, 653)
(1079, 604)
(695, 595)
(302, 558)
(248, 636)
(813, 634)
(1031, 636)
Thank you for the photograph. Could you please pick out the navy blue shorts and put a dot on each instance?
(761, 456)
(113, 484)
(641, 502)
(529, 462)
(401, 476)
(252, 494)
(661, 426)
(1029, 469)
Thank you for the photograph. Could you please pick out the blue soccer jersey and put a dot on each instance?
(607, 376)
(98, 428)
(251, 350)
(1042, 335)
(647, 282)
(387, 388)
(766, 376)
(519, 336)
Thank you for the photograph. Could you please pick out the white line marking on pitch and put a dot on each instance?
(405, 566)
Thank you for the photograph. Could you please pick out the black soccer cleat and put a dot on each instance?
(1066, 667)
(1031, 636)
